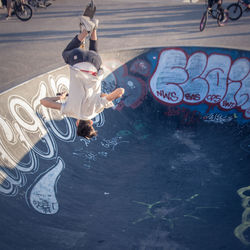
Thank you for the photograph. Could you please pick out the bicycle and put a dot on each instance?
(22, 11)
(215, 13)
(235, 10)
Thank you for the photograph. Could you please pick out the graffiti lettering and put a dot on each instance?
(9, 160)
(27, 120)
(195, 97)
(168, 95)
(214, 98)
(245, 223)
(215, 78)
(217, 118)
(228, 104)
(187, 117)
(29, 133)
(112, 143)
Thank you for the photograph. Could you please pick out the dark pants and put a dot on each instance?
(212, 2)
(72, 54)
(4, 2)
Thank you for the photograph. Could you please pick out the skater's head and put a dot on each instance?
(85, 129)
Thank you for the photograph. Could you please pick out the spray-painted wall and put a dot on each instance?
(213, 82)
(211, 85)
(215, 79)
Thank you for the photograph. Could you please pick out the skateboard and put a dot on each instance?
(90, 10)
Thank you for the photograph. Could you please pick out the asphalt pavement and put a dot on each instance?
(31, 48)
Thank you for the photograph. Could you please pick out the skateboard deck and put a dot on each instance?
(90, 10)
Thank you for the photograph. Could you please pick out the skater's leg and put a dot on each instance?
(74, 43)
(93, 41)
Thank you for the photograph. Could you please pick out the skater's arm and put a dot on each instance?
(51, 102)
(114, 95)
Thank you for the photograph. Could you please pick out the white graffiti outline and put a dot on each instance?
(41, 195)
(36, 126)
(25, 130)
(200, 78)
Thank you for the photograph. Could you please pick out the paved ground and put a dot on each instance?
(30, 48)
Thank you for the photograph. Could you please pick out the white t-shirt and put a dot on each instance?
(84, 101)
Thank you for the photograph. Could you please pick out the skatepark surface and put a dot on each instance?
(169, 169)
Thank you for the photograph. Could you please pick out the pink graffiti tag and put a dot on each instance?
(120, 76)
(213, 79)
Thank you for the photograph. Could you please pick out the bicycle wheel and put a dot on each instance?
(203, 21)
(23, 12)
(234, 11)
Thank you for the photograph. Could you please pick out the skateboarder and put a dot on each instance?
(247, 2)
(219, 7)
(84, 100)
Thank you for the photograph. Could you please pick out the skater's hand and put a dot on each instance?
(81, 37)
(103, 94)
(63, 96)
(117, 93)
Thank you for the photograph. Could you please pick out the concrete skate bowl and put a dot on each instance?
(169, 169)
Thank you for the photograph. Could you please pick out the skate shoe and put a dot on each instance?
(96, 22)
(86, 24)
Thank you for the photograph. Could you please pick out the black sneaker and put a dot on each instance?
(90, 10)
(87, 24)
(47, 4)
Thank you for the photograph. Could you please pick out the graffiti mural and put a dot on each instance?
(31, 135)
(241, 230)
(217, 118)
(119, 75)
(214, 79)
(27, 137)
(42, 196)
